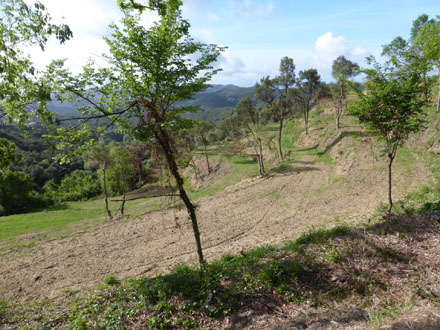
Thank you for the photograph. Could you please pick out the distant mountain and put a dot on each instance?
(220, 96)
(215, 102)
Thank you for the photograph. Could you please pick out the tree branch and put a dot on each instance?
(140, 197)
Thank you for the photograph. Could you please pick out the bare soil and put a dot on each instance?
(309, 194)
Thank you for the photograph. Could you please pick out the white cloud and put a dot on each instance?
(245, 67)
(84, 16)
(253, 8)
(328, 47)
(204, 35)
(212, 17)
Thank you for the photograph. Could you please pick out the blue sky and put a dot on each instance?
(258, 33)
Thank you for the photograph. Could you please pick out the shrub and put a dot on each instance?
(17, 194)
(79, 185)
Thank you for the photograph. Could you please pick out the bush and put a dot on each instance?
(17, 194)
(78, 186)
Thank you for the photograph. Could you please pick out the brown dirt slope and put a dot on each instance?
(312, 192)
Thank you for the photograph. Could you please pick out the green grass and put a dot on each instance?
(242, 168)
(405, 159)
(62, 220)
(319, 191)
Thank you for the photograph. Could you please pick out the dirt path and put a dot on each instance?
(253, 212)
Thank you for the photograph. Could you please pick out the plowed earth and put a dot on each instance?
(311, 194)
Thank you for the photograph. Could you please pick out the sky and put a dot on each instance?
(258, 33)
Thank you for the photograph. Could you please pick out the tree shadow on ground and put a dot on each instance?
(287, 169)
(301, 149)
(250, 161)
(415, 226)
(340, 137)
(303, 162)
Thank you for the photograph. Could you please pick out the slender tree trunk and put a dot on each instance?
(280, 131)
(104, 183)
(390, 200)
(259, 152)
(306, 119)
(207, 159)
(438, 94)
(260, 144)
(438, 100)
(139, 170)
(123, 203)
(164, 141)
(339, 106)
(337, 121)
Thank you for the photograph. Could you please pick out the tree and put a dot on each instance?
(120, 171)
(418, 50)
(7, 153)
(149, 71)
(391, 107)
(247, 118)
(203, 131)
(139, 154)
(276, 95)
(99, 156)
(307, 92)
(342, 70)
(428, 39)
(17, 194)
(22, 93)
(79, 185)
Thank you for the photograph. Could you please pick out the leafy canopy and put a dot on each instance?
(21, 92)
(7, 153)
(392, 103)
(148, 69)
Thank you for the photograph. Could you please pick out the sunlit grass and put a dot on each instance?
(63, 219)
(243, 167)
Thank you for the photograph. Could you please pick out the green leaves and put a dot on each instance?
(391, 104)
(7, 153)
(149, 71)
(21, 95)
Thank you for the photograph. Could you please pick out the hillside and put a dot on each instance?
(328, 179)
(215, 102)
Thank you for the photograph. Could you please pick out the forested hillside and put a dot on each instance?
(214, 103)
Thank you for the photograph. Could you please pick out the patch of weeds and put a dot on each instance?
(187, 323)
(294, 268)
(355, 136)
(429, 207)
(159, 322)
(396, 208)
(324, 188)
(325, 158)
(376, 317)
(271, 274)
(253, 255)
(430, 142)
(317, 236)
(282, 168)
(274, 194)
(3, 306)
(332, 255)
(365, 284)
(111, 280)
